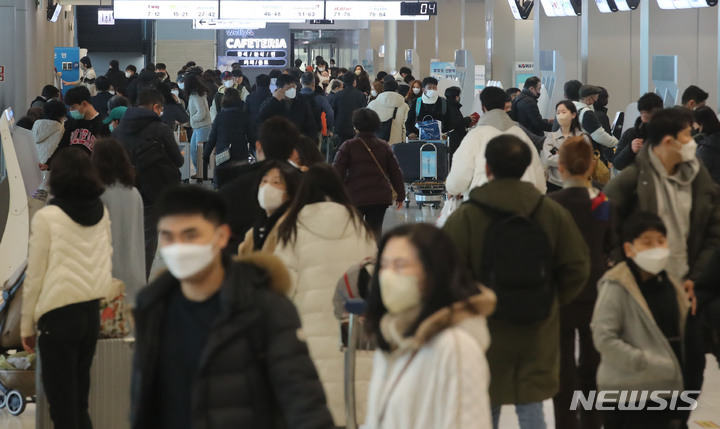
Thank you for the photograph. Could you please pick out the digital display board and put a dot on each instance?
(368, 10)
(255, 49)
(164, 9)
(418, 8)
(269, 11)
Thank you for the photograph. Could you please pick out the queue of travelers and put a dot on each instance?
(544, 256)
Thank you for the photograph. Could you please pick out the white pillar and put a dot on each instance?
(391, 49)
(644, 47)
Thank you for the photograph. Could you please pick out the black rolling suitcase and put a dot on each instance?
(425, 168)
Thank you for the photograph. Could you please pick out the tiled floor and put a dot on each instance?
(707, 415)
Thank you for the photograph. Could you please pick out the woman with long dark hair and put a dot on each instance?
(174, 113)
(199, 113)
(229, 135)
(566, 115)
(125, 207)
(363, 82)
(69, 271)
(708, 140)
(429, 319)
(321, 237)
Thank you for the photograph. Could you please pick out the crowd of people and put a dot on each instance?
(568, 238)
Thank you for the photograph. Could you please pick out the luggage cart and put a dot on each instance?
(17, 387)
(425, 166)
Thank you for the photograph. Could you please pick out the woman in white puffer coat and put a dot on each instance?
(321, 237)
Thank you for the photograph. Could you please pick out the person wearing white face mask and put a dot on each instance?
(187, 363)
(285, 102)
(429, 319)
(638, 326)
(277, 187)
(667, 179)
(429, 106)
(232, 79)
(566, 115)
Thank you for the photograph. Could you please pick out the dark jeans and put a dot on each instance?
(374, 216)
(694, 365)
(580, 376)
(151, 238)
(640, 419)
(67, 340)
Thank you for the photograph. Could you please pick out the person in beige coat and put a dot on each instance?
(69, 271)
(385, 106)
(322, 236)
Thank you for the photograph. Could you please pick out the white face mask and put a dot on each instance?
(688, 151)
(181, 85)
(416, 91)
(399, 292)
(175, 92)
(653, 260)
(290, 93)
(563, 118)
(373, 93)
(228, 83)
(128, 74)
(185, 260)
(270, 198)
(431, 93)
(358, 72)
(322, 69)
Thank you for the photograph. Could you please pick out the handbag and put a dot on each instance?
(601, 173)
(222, 157)
(430, 130)
(114, 314)
(372, 155)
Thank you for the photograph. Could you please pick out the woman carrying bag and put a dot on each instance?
(370, 171)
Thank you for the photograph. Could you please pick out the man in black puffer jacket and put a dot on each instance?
(154, 154)
(525, 108)
(218, 343)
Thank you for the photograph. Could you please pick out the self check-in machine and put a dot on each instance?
(552, 74)
(465, 69)
(665, 78)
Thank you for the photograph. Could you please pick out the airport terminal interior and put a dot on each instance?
(615, 50)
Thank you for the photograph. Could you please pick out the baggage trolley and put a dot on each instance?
(425, 166)
(17, 387)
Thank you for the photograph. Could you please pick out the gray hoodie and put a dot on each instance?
(47, 134)
(635, 353)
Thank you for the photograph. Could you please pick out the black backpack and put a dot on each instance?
(386, 128)
(317, 113)
(517, 265)
(155, 170)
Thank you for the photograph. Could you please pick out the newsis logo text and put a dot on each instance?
(655, 400)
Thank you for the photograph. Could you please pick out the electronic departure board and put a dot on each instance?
(370, 10)
(418, 8)
(164, 9)
(284, 11)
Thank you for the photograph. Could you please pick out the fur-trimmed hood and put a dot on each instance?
(279, 277)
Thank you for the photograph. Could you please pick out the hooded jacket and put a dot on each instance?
(446, 383)
(229, 131)
(141, 126)
(384, 105)
(366, 184)
(254, 369)
(524, 358)
(47, 134)
(344, 103)
(636, 355)
(709, 153)
(69, 259)
(468, 166)
(296, 110)
(326, 245)
(635, 189)
(146, 79)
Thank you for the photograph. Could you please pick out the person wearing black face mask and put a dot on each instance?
(525, 108)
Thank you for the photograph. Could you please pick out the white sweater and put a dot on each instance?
(444, 387)
(327, 245)
(199, 111)
(67, 264)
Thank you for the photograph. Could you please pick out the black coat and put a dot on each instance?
(117, 79)
(457, 125)
(139, 126)
(100, 102)
(231, 127)
(174, 113)
(298, 112)
(624, 154)
(709, 153)
(436, 111)
(253, 102)
(147, 79)
(240, 196)
(344, 103)
(254, 371)
(525, 111)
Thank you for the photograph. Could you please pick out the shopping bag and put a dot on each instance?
(114, 314)
(449, 208)
(430, 129)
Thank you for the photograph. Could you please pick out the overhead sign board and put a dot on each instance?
(368, 11)
(164, 9)
(226, 24)
(279, 11)
(106, 17)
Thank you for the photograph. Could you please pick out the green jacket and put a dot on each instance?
(524, 359)
(634, 190)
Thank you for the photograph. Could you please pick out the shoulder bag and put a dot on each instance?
(382, 170)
